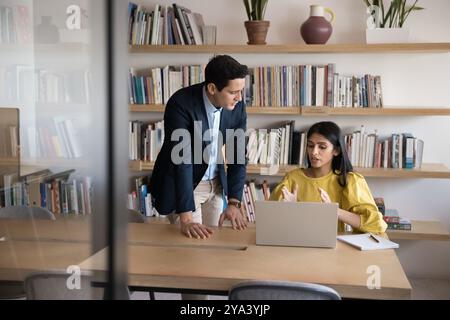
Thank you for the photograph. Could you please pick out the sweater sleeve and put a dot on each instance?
(358, 199)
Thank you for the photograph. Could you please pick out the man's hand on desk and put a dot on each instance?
(233, 213)
(192, 229)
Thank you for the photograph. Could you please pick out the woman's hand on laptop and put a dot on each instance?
(290, 196)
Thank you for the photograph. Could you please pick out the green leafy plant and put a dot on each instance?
(393, 15)
(256, 9)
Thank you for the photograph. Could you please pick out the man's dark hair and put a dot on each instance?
(223, 68)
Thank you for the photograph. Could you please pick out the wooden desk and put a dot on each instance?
(163, 258)
(20, 258)
(70, 230)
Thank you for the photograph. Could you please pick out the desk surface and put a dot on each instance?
(19, 258)
(165, 259)
(159, 256)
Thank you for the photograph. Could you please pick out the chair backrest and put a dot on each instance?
(135, 216)
(25, 212)
(281, 290)
(58, 286)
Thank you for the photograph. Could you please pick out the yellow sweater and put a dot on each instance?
(355, 197)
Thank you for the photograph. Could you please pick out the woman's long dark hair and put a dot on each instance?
(341, 164)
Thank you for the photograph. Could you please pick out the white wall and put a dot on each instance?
(408, 80)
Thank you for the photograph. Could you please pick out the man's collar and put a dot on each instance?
(210, 108)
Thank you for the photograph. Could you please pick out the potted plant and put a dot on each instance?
(256, 26)
(386, 21)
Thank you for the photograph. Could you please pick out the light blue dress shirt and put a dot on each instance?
(213, 115)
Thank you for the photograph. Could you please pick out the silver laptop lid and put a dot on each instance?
(302, 224)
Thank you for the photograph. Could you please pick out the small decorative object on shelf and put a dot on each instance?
(317, 29)
(46, 32)
(385, 23)
(256, 26)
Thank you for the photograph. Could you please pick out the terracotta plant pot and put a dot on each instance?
(257, 31)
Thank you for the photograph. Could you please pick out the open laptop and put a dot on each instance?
(299, 224)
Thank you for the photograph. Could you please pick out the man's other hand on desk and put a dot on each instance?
(233, 214)
(192, 229)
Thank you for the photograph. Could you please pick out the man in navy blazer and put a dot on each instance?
(189, 178)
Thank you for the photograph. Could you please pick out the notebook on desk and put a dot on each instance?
(367, 241)
(298, 224)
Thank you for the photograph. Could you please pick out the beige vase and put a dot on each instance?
(257, 31)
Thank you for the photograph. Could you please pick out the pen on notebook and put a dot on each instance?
(373, 237)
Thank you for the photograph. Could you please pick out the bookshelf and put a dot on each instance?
(428, 171)
(296, 48)
(321, 111)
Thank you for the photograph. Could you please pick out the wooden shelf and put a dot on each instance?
(296, 48)
(57, 162)
(428, 170)
(386, 111)
(421, 230)
(321, 111)
(274, 110)
(147, 107)
(9, 161)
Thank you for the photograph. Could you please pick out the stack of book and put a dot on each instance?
(369, 150)
(395, 222)
(164, 25)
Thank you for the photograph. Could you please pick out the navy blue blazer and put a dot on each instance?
(172, 185)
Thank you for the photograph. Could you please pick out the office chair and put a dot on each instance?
(281, 290)
(55, 286)
(25, 212)
(135, 216)
(14, 289)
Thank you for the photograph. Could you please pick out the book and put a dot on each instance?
(403, 224)
(391, 215)
(368, 241)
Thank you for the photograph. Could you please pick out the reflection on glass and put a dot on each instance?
(52, 147)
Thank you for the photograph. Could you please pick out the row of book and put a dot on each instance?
(311, 85)
(284, 145)
(49, 190)
(282, 86)
(140, 199)
(273, 146)
(161, 83)
(254, 191)
(15, 25)
(59, 139)
(400, 150)
(9, 141)
(166, 25)
(145, 140)
(25, 83)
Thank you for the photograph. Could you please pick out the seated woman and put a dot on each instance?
(330, 178)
